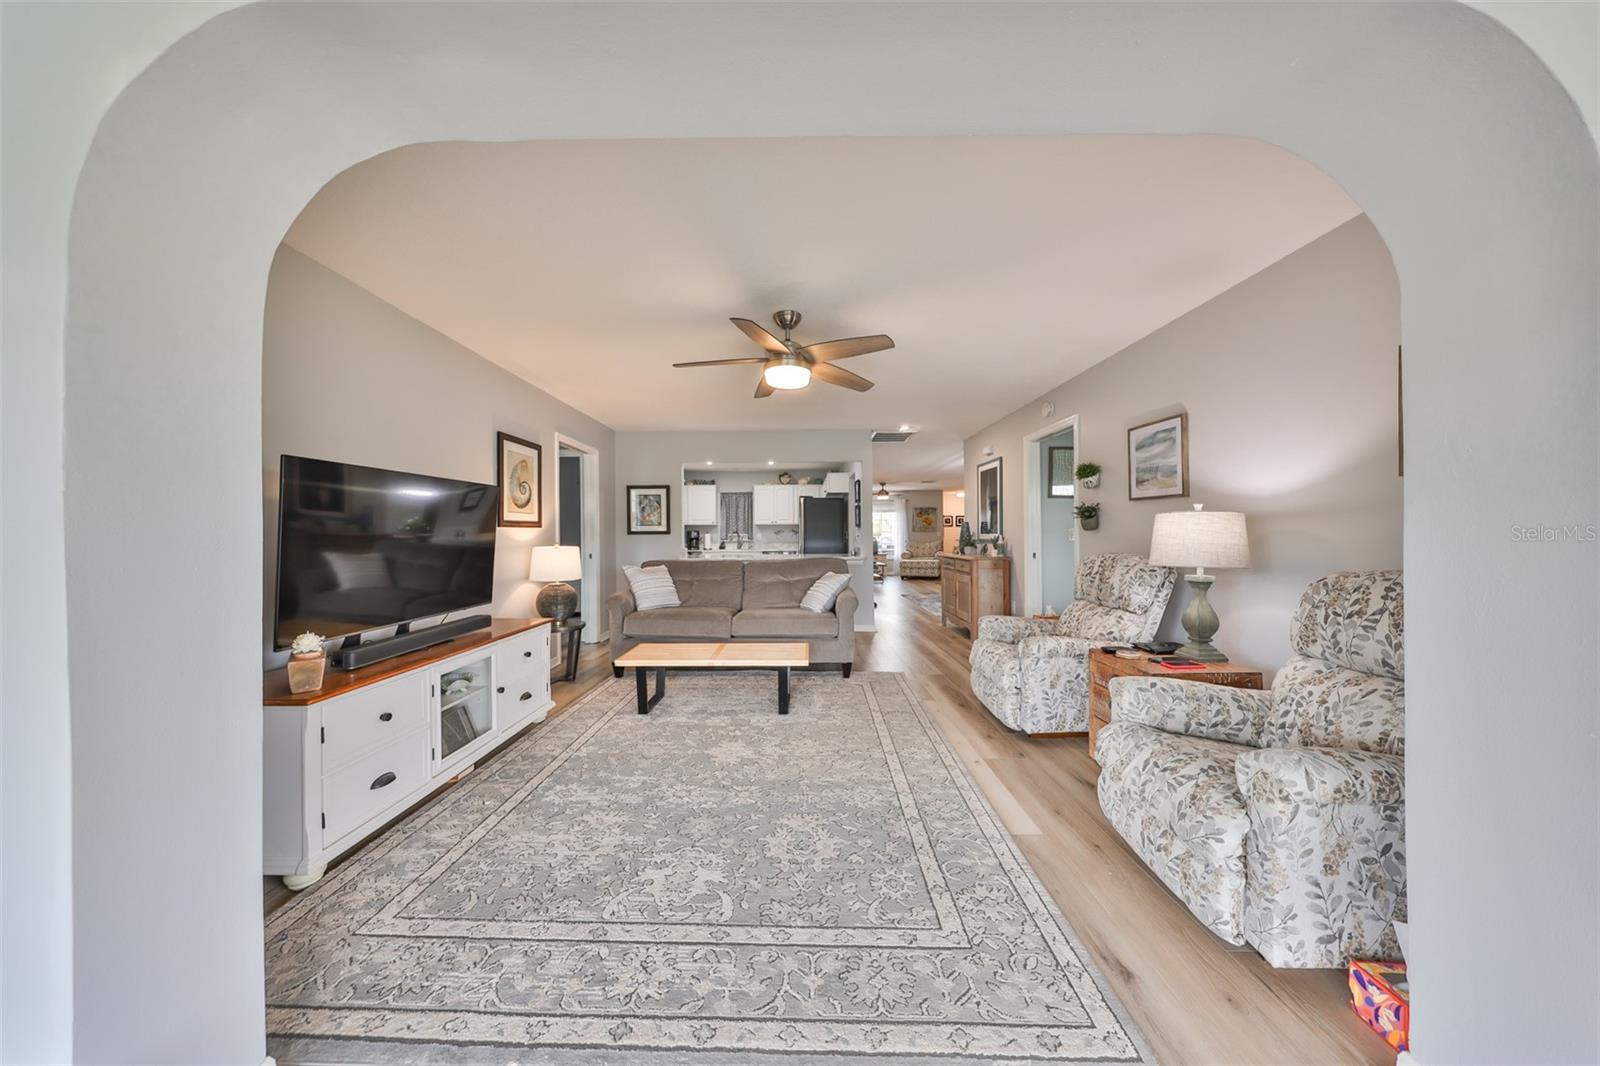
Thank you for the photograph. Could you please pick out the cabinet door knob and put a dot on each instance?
(526, 696)
(501, 689)
(385, 778)
(386, 716)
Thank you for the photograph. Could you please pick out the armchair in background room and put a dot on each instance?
(920, 559)
(1034, 675)
(1278, 817)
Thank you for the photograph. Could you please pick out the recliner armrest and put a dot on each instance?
(1191, 708)
(1009, 629)
(1321, 777)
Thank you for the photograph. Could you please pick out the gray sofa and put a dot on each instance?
(741, 600)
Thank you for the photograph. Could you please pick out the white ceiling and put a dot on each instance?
(1001, 265)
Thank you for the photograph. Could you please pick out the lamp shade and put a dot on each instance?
(1199, 538)
(556, 562)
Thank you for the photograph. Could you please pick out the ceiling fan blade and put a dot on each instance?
(760, 336)
(827, 351)
(724, 362)
(763, 389)
(838, 375)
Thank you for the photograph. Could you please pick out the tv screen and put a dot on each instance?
(360, 548)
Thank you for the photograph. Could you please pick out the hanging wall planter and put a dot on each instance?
(1088, 516)
(1088, 476)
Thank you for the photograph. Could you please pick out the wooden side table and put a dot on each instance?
(1104, 666)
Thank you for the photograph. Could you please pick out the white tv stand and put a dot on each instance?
(342, 761)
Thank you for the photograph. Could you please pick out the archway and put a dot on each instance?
(203, 162)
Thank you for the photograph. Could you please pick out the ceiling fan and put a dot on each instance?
(787, 365)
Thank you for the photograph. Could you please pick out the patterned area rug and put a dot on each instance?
(825, 887)
(924, 594)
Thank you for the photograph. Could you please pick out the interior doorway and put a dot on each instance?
(578, 522)
(1049, 457)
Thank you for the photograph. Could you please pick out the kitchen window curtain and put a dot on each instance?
(738, 514)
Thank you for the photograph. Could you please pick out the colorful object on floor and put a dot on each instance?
(1381, 995)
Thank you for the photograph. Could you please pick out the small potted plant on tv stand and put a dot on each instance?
(307, 661)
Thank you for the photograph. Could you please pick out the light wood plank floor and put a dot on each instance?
(1198, 999)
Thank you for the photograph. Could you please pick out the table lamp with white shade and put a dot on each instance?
(556, 564)
(1200, 539)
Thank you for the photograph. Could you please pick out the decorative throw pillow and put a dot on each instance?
(364, 570)
(823, 592)
(652, 587)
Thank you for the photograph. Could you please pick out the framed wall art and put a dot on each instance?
(990, 501)
(1158, 459)
(924, 519)
(649, 509)
(520, 475)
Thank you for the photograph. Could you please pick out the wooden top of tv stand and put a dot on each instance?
(275, 685)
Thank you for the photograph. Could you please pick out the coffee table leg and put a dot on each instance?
(783, 690)
(642, 691)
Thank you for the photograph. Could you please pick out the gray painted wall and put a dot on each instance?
(346, 376)
(1289, 382)
(659, 458)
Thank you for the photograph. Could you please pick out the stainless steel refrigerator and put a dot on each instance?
(824, 525)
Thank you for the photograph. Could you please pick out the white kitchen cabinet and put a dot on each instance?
(776, 505)
(700, 505)
(812, 490)
(837, 484)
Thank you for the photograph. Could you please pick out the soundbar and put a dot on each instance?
(348, 658)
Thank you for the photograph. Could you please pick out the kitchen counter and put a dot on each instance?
(769, 553)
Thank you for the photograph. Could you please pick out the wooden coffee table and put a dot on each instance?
(726, 655)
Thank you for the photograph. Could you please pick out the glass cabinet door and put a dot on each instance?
(465, 705)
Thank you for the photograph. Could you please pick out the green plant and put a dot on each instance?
(966, 540)
(1086, 470)
(1090, 511)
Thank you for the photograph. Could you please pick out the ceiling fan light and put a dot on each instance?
(787, 375)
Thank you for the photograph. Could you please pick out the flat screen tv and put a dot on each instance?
(361, 548)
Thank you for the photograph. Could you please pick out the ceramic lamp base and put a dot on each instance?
(1200, 621)
(557, 600)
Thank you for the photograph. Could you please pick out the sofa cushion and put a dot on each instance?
(704, 623)
(820, 597)
(1120, 581)
(1354, 620)
(785, 622)
(652, 587)
(706, 582)
(784, 582)
(1175, 800)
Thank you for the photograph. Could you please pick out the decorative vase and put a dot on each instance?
(305, 671)
(557, 600)
(1090, 524)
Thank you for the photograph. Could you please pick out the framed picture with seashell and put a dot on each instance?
(520, 475)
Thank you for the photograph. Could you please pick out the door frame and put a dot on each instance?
(1033, 512)
(589, 467)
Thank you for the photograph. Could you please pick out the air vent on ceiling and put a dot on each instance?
(891, 436)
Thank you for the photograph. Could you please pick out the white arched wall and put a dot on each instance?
(1458, 144)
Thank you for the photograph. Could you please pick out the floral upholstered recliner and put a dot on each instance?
(1278, 817)
(920, 559)
(1034, 675)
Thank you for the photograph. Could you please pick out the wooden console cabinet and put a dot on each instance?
(972, 586)
(345, 759)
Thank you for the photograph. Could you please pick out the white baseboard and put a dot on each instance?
(866, 629)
